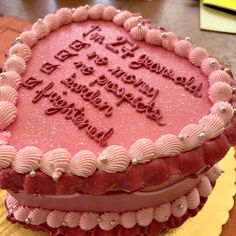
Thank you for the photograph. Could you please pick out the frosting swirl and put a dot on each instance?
(168, 40)
(193, 199)
(55, 218)
(7, 114)
(128, 220)
(7, 155)
(72, 219)
(109, 221)
(145, 216)
(38, 216)
(153, 37)
(209, 65)
(10, 78)
(83, 163)
(183, 48)
(131, 22)
(121, 17)
(52, 21)
(27, 159)
(114, 159)
(95, 12)
(109, 13)
(40, 29)
(15, 63)
(80, 14)
(219, 76)
(138, 32)
(220, 91)
(21, 50)
(28, 38)
(197, 55)
(162, 212)
(88, 220)
(8, 94)
(64, 16)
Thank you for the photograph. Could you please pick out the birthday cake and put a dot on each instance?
(110, 125)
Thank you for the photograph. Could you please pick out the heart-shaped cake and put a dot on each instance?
(110, 125)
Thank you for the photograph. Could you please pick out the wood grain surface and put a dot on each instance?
(181, 17)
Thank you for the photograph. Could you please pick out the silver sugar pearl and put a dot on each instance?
(32, 173)
(181, 137)
(222, 171)
(118, 10)
(56, 175)
(18, 40)
(39, 20)
(164, 35)
(212, 63)
(140, 17)
(180, 206)
(87, 6)
(3, 76)
(134, 161)
(202, 136)
(103, 159)
(113, 222)
(64, 224)
(187, 38)
(139, 25)
(28, 220)
(233, 89)
(222, 109)
(99, 220)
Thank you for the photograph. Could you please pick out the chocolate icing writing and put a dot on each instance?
(86, 70)
(155, 67)
(77, 45)
(125, 51)
(98, 59)
(96, 37)
(139, 84)
(70, 112)
(93, 28)
(63, 55)
(93, 97)
(150, 110)
(48, 68)
(31, 82)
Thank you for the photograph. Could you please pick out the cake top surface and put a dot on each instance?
(99, 82)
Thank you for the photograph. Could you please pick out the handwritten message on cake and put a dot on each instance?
(123, 84)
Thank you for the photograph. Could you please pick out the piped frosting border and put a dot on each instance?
(114, 158)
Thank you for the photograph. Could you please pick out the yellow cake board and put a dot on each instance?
(208, 222)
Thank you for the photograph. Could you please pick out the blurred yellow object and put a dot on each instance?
(214, 20)
(225, 4)
(215, 211)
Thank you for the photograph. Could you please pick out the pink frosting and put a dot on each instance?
(55, 162)
(153, 37)
(209, 65)
(11, 202)
(138, 32)
(4, 137)
(121, 17)
(72, 219)
(168, 40)
(114, 159)
(64, 16)
(83, 163)
(38, 216)
(27, 159)
(224, 110)
(179, 207)
(193, 199)
(55, 218)
(8, 94)
(52, 21)
(132, 22)
(143, 150)
(95, 12)
(214, 173)
(109, 13)
(128, 220)
(204, 187)
(168, 145)
(40, 29)
(15, 63)
(197, 55)
(191, 135)
(10, 78)
(7, 155)
(183, 48)
(21, 213)
(28, 38)
(219, 76)
(212, 126)
(88, 220)
(109, 221)
(145, 216)
(7, 114)
(220, 91)
(80, 14)
(162, 212)
(21, 50)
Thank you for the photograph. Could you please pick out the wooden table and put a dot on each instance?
(181, 17)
